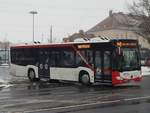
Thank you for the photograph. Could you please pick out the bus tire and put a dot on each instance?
(31, 75)
(84, 78)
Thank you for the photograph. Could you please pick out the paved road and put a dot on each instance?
(42, 97)
(138, 107)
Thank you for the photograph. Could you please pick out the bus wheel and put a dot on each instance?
(85, 79)
(31, 75)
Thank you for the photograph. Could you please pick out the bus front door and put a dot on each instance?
(103, 66)
(44, 68)
(107, 66)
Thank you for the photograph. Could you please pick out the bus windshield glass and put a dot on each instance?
(128, 60)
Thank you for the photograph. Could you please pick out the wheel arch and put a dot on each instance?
(81, 73)
(90, 72)
(34, 68)
(29, 69)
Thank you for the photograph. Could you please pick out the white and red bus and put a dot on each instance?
(115, 61)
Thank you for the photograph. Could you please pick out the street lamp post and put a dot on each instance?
(33, 13)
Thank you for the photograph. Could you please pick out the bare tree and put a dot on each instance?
(141, 9)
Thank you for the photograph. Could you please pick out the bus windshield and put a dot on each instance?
(128, 60)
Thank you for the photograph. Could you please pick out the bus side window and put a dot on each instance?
(89, 57)
(13, 56)
(79, 60)
(52, 59)
(55, 59)
(67, 58)
(20, 57)
(86, 55)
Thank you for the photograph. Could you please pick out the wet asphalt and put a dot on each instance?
(64, 97)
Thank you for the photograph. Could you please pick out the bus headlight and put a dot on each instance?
(119, 78)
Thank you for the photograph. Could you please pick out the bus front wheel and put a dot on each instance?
(31, 75)
(85, 79)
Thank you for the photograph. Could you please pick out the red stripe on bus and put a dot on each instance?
(42, 46)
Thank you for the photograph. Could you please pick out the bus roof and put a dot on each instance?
(79, 41)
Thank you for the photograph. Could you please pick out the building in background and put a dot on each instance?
(120, 25)
(116, 25)
(4, 52)
(80, 34)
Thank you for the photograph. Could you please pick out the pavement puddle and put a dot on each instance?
(4, 84)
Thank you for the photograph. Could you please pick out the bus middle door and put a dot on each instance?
(44, 68)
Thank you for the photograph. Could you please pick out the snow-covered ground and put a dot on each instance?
(4, 65)
(4, 76)
(145, 71)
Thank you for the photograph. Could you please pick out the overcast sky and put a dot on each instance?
(66, 17)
